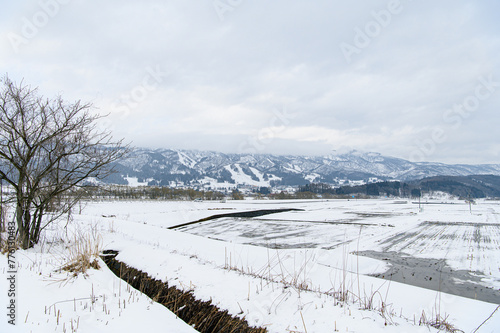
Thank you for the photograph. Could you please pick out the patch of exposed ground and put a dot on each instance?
(435, 275)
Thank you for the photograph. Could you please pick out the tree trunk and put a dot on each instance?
(23, 217)
(22, 227)
(37, 218)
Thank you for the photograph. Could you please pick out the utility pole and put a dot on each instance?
(419, 195)
(469, 199)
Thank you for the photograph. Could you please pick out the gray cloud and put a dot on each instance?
(173, 74)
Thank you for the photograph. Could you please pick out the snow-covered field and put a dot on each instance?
(294, 271)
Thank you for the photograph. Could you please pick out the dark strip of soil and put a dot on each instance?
(253, 213)
(202, 315)
(436, 203)
(435, 275)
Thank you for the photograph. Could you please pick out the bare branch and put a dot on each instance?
(47, 148)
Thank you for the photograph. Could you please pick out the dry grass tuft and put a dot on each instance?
(82, 252)
(5, 247)
(81, 265)
(438, 322)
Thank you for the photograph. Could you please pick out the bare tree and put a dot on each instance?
(48, 148)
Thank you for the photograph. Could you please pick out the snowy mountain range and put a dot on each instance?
(216, 170)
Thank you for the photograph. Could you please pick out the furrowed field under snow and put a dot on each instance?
(337, 265)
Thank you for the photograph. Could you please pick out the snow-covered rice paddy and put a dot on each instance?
(287, 271)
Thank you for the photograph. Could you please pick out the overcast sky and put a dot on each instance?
(418, 80)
